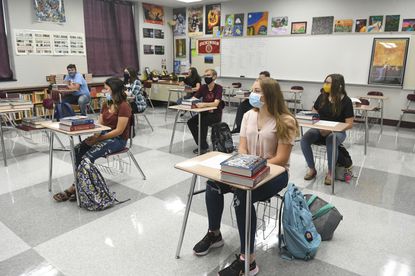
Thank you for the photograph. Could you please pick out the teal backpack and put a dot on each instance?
(299, 238)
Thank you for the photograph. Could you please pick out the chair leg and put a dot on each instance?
(148, 122)
(136, 164)
(149, 99)
(400, 120)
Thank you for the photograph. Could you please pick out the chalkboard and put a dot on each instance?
(303, 57)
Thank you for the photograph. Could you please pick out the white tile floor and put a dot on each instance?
(41, 237)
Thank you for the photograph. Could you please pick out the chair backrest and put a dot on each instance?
(236, 85)
(410, 97)
(297, 87)
(375, 93)
(364, 101)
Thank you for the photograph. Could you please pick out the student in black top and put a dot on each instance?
(212, 96)
(194, 81)
(332, 105)
(245, 106)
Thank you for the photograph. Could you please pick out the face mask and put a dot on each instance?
(72, 74)
(327, 87)
(208, 80)
(255, 100)
(108, 96)
(126, 77)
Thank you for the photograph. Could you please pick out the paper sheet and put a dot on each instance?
(214, 162)
(326, 123)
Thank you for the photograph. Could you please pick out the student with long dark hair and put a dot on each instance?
(115, 113)
(332, 104)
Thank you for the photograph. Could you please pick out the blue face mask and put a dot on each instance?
(255, 100)
(72, 74)
(108, 96)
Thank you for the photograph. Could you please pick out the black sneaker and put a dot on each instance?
(237, 268)
(202, 151)
(209, 241)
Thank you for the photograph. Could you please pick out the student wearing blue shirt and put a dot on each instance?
(77, 83)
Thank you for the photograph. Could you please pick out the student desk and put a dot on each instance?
(175, 90)
(185, 108)
(327, 125)
(207, 165)
(11, 109)
(62, 92)
(365, 109)
(381, 99)
(54, 127)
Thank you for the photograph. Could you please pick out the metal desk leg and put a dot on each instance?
(198, 133)
(333, 163)
(2, 142)
(168, 104)
(366, 131)
(295, 103)
(51, 136)
(381, 116)
(74, 168)
(186, 215)
(174, 130)
(248, 230)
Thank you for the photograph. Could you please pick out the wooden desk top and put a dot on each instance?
(241, 97)
(179, 89)
(320, 125)
(55, 127)
(374, 97)
(197, 110)
(195, 166)
(365, 107)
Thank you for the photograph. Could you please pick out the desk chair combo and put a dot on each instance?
(409, 108)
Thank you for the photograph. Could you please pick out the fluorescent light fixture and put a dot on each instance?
(189, 1)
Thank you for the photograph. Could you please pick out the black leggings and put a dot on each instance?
(207, 119)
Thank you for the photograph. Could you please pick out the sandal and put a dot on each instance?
(311, 173)
(61, 197)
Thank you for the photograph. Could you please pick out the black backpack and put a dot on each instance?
(344, 159)
(222, 138)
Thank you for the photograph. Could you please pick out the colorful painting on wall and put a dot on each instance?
(179, 18)
(49, 11)
(234, 25)
(392, 23)
(408, 25)
(343, 26)
(181, 48)
(195, 20)
(212, 15)
(279, 25)
(322, 25)
(375, 24)
(257, 23)
(153, 14)
(387, 65)
(299, 27)
(360, 25)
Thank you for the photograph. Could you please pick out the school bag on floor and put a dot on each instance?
(299, 238)
(326, 217)
(344, 165)
(93, 192)
(222, 138)
(63, 110)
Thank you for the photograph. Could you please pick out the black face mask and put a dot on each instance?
(208, 80)
(126, 77)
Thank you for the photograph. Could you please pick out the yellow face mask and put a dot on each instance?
(327, 87)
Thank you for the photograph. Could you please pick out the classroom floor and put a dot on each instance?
(41, 237)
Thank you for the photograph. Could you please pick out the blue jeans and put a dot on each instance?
(214, 203)
(100, 149)
(313, 136)
(82, 101)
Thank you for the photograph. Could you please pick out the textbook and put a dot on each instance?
(190, 103)
(245, 180)
(307, 117)
(76, 127)
(243, 164)
(76, 120)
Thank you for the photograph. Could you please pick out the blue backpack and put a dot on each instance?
(93, 192)
(300, 238)
(63, 110)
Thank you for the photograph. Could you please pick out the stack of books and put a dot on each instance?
(190, 103)
(76, 123)
(7, 104)
(34, 122)
(307, 117)
(244, 169)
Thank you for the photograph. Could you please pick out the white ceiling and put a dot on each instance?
(175, 3)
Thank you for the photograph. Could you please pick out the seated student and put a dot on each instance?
(332, 105)
(135, 89)
(245, 106)
(193, 80)
(77, 83)
(115, 114)
(268, 130)
(211, 94)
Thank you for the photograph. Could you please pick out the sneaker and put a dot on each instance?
(327, 180)
(202, 151)
(237, 268)
(311, 173)
(209, 241)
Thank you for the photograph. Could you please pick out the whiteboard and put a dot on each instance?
(303, 58)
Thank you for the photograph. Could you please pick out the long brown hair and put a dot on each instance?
(276, 106)
(117, 88)
(337, 91)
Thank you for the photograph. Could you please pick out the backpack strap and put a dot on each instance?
(323, 210)
(311, 200)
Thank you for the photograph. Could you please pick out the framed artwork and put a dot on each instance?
(257, 23)
(49, 11)
(158, 33)
(153, 14)
(159, 49)
(195, 20)
(148, 49)
(375, 23)
(387, 64)
(361, 25)
(148, 33)
(343, 26)
(408, 25)
(181, 48)
(212, 18)
(322, 25)
(299, 27)
(279, 25)
(392, 23)
(179, 17)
